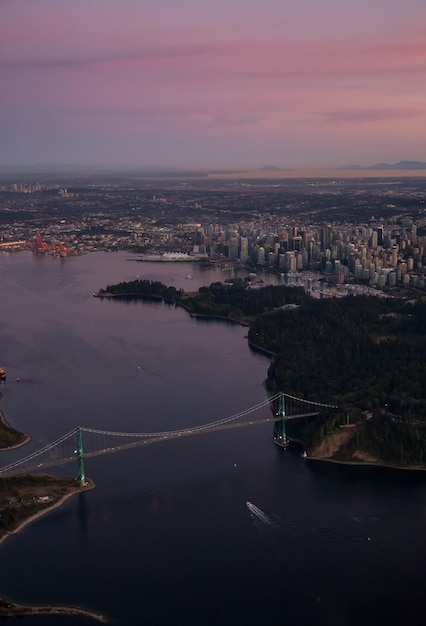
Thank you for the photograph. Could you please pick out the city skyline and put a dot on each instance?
(234, 85)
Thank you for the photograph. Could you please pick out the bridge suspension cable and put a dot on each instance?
(311, 402)
(192, 429)
(67, 448)
(38, 453)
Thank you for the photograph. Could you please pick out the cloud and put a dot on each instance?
(371, 116)
(108, 58)
(122, 74)
(250, 59)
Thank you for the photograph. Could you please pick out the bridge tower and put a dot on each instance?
(80, 458)
(280, 434)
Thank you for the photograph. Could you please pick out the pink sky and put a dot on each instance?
(234, 83)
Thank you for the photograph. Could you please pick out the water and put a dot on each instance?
(167, 537)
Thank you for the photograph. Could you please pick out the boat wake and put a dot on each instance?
(288, 533)
(313, 551)
(259, 515)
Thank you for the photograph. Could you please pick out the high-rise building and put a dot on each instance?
(233, 247)
(244, 254)
(290, 261)
(326, 237)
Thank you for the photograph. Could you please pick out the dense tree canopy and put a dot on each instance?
(233, 300)
(365, 354)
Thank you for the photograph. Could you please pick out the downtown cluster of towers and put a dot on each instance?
(381, 255)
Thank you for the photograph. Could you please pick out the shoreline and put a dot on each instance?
(316, 460)
(222, 318)
(160, 298)
(9, 608)
(6, 426)
(265, 351)
(35, 516)
(361, 465)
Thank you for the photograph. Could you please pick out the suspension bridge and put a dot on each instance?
(82, 443)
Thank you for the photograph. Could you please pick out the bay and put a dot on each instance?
(166, 536)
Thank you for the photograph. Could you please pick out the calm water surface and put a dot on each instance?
(166, 536)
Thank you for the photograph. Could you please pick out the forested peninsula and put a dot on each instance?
(363, 353)
(235, 300)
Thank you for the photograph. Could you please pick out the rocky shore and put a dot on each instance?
(10, 437)
(8, 608)
(325, 452)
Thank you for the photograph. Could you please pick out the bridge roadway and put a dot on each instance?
(149, 440)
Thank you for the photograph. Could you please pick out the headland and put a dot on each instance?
(9, 436)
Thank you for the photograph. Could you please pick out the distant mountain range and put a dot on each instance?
(269, 168)
(401, 165)
(159, 171)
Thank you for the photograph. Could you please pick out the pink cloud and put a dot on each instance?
(239, 75)
(356, 117)
(249, 58)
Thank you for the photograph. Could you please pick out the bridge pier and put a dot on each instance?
(280, 434)
(80, 458)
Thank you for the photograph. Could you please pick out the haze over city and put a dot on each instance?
(318, 84)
